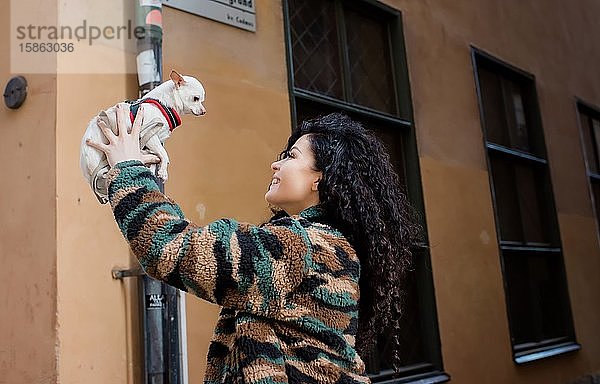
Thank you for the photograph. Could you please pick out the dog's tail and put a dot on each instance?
(98, 182)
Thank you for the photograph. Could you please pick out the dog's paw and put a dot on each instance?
(163, 175)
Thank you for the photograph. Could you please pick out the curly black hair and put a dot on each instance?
(363, 198)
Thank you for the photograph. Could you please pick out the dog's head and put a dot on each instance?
(191, 92)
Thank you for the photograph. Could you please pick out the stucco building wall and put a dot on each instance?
(28, 228)
(550, 40)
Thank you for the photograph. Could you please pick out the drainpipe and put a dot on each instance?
(162, 306)
(148, 15)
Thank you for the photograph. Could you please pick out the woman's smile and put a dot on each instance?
(275, 181)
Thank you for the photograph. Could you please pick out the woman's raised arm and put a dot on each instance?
(236, 265)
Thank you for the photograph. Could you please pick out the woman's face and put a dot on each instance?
(295, 181)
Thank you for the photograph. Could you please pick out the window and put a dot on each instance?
(349, 56)
(535, 284)
(589, 121)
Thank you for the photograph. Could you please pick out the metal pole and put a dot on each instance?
(160, 309)
(148, 14)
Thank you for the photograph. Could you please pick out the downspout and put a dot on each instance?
(148, 15)
(162, 307)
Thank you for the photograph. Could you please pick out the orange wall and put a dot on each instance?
(97, 316)
(551, 40)
(98, 339)
(27, 228)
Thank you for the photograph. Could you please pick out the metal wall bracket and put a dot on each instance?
(119, 274)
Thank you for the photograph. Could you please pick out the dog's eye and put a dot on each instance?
(196, 98)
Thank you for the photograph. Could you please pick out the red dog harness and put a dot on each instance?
(169, 113)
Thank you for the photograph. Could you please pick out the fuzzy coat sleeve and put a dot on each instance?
(236, 265)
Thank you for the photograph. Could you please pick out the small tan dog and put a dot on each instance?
(162, 107)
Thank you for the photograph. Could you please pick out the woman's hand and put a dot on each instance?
(123, 146)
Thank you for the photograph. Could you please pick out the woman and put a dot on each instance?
(289, 289)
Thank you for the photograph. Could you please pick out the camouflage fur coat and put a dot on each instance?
(288, 288)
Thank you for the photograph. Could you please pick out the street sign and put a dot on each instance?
(238, 13)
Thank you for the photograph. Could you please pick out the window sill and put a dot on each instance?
(543, 353)
(426, 378)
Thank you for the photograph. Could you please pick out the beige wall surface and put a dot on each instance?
(95, 312)
(551, 40)
(97, 315)
(27, 227)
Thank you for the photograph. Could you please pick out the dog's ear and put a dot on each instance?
(177, 78)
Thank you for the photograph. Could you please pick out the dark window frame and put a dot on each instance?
(525, 352)
(431, 371)
(593, 112)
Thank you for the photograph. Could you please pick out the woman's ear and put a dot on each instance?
(315, 185)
